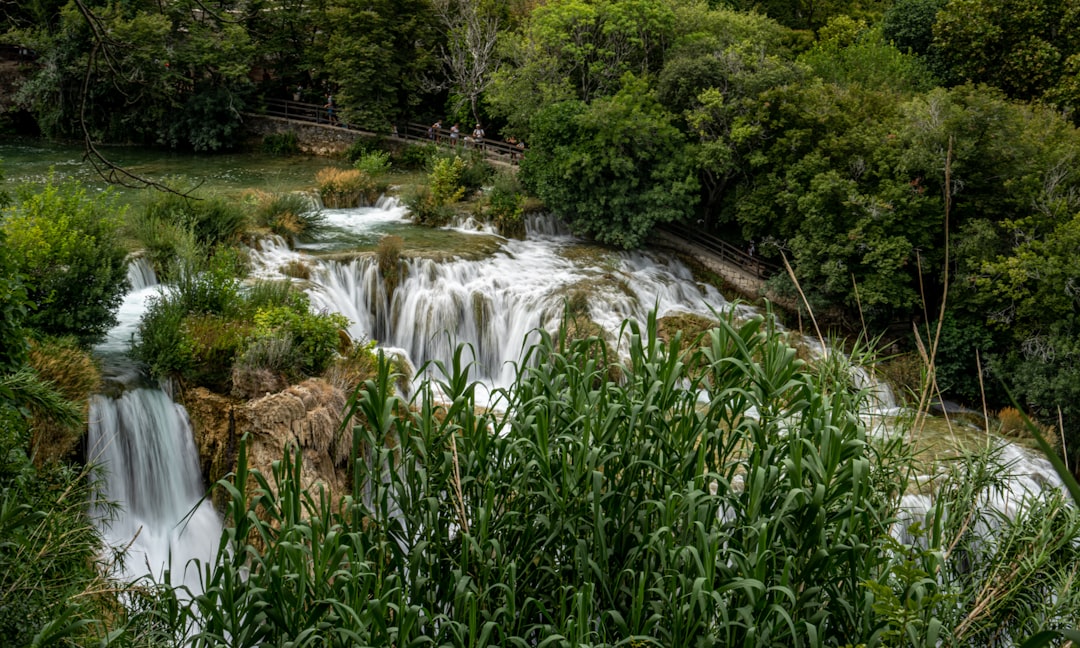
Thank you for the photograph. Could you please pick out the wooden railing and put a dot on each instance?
(409, 131)
(723, 250)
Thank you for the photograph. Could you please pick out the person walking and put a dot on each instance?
(330, 118)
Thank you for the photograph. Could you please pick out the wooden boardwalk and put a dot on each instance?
(314, 114)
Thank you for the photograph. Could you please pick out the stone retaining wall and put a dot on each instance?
(314, 139)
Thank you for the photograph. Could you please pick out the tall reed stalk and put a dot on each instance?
(718, 495)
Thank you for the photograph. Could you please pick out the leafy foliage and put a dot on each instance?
(66, 246)
(281, 143)
(612, 169)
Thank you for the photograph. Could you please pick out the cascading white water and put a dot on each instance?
(494, 304)
(143, 443)
(141, 275)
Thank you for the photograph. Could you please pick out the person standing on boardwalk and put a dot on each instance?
(478, 137)
(433, 132)
(330, 109)
(454, 131)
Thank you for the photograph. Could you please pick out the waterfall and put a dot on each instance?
(496, 303)
(141, 274)
(144, 445)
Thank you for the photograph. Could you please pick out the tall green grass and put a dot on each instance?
(719, 493)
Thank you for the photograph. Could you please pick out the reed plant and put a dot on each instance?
(344, 188)
(652, 510)
(290, 215)
(719, 492)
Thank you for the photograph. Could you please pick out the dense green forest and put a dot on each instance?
(915, 162)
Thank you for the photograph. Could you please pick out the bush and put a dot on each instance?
(470, 171)
(416, 156)
(315, 336)
(281, 144)
(72, 372)
(388, 252)
(343, 188)
(375, 164)
(212, 287)
(66, 246)
(445, 180)
(49, 546)
(214, 221)
(289, 215)
(12, 312)
(364, 146)
(215, 343)
(163, 241)
(269, 294)
(506, 205)
(162, 343)
(425, 209)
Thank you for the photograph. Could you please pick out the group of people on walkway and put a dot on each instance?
(476, 140)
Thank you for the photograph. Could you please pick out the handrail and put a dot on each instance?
(322, 116)
(725, 251)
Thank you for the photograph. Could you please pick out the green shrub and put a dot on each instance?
(471, 170)
(13, 309)
(213, 288)
(375, 164)
(215, 343)
(445, 180)
(163, 241)
(424, 208)
(162, 343)
(365, 146)
(416, 156)
(506, 205)
(49, 547)
(268, 294)
(281, 144)
(213, 220)
(66, 246)
(290, 215)
(315, 336)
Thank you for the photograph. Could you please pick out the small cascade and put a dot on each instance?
(141, 274)
(545, 225)
(143, 442)
(388, 203)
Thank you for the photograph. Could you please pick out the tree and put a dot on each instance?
(168, 74)
(377, 54)
(612, 169)
(1029, 50)
(580, 49)
(66, 245)
(469, 58)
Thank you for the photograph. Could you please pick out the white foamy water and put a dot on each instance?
(143, 442)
